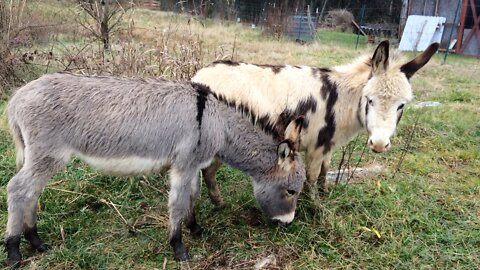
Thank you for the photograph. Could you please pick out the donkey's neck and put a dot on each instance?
(246, 147)
(350, 108)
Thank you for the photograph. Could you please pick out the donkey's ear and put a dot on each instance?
(285, 155)
(413, 66)
(292, 132)
(380, 57)
(286, 149)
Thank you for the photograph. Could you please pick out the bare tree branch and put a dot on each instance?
(107, 14)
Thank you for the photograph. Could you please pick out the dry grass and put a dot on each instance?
(11, 25)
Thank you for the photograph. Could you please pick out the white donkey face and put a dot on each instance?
(383, 111)
(386, 94)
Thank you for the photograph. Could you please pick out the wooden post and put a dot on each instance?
(403, 17)
(463, 14)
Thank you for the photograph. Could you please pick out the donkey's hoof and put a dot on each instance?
(196, 231)
(323, 189)
(42, 247)
(14, 263)
(182, 256)
(217, 201)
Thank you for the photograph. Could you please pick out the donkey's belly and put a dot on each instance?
(125, 166)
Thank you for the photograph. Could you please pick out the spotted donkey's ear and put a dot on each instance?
(286, 149)
(413, 66)
(380, 58)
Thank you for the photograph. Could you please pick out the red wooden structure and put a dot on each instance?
(469, 6)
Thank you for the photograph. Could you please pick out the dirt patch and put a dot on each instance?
(277, 257)
(251, 217)
(353, 174)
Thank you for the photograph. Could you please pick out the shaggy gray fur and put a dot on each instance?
(127, 126)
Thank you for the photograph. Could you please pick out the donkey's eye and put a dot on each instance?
(370, 102)
(400, 107)
(290, 192)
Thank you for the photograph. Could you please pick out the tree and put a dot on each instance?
(107, 15)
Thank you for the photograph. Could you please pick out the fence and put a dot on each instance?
(305, 20)
(299, 19)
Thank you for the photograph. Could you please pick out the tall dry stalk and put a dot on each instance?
(11, 24)
(102, 17)
(177, 54)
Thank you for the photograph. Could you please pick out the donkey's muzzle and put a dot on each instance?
(379, 146)
(284, 220)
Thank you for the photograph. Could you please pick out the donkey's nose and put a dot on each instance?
(378, 146)
(284, 219)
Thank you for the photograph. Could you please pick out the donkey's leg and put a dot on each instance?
(15, 201)
(322, 178)
(212, 186)
(191, 222)
(314, 164)
(30, 227)
(179, 205)
(23, 191)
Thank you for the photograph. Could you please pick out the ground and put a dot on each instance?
(423, 214)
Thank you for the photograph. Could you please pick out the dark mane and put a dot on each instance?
(277, 129)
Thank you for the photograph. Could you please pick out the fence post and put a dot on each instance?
(451, 33)
(362, 14)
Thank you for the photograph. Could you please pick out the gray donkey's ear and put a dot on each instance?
(285, 155)
(287, 148)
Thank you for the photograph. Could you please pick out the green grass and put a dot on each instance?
(426, 216)
(332, 38)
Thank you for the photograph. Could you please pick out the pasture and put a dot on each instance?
(422, 211)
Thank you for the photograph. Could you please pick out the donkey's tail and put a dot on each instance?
(19, 143)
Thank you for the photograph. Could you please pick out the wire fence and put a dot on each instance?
(371, 21)
(298, 20)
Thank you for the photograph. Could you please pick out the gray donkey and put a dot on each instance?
(133, 126)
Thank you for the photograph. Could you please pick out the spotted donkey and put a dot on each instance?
(337, 103)
(126, 126)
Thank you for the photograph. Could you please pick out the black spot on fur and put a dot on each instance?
(327, 85)
(275, 68)
(203, 92)
(226, 62)
(287, 116)
(276, 129)
(366, 114)
(399, 116)
(325, 135)
(359, 109)
(318, 72)
(268, 127)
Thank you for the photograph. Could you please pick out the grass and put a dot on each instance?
(426, 216)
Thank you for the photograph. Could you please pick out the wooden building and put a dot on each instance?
(466, 27)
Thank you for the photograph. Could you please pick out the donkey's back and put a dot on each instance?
(120, 126)
(117, 125)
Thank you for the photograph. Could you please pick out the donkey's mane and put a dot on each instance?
(276, 128)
